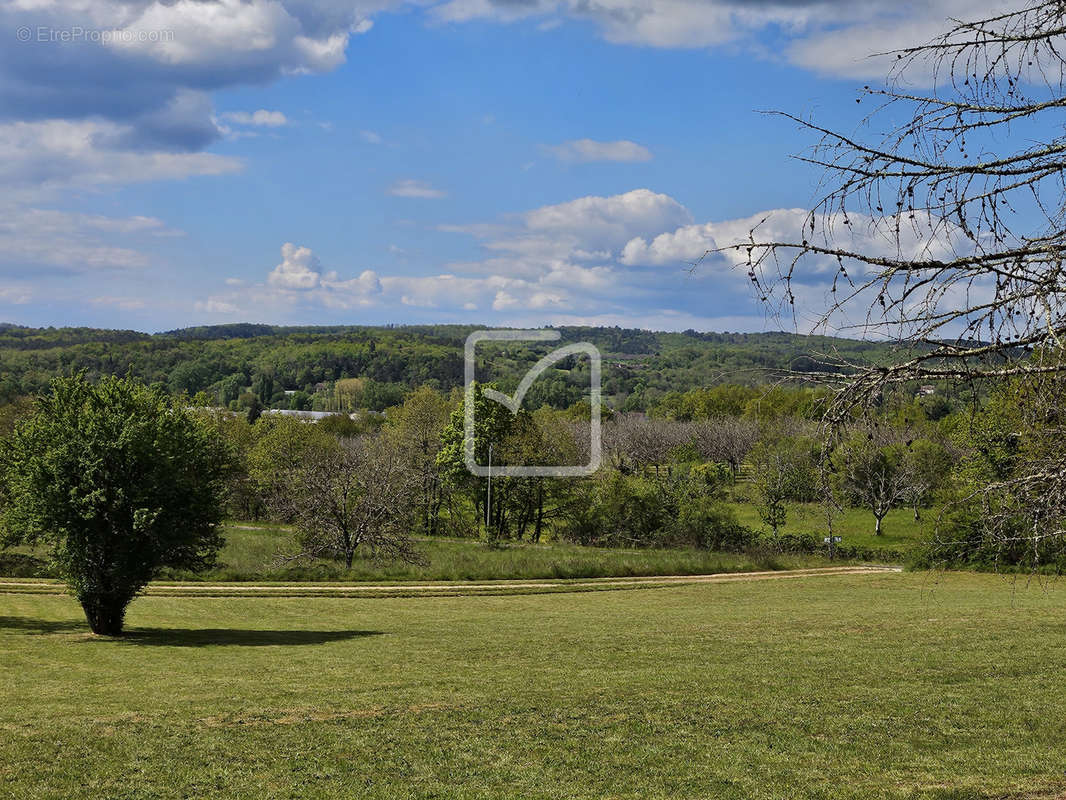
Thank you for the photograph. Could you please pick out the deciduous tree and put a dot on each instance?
(120, 482)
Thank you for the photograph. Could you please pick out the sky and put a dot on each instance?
(497, 162)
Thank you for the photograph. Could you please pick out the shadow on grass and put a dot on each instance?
(241, 637)
(186, 637)
(32, 625)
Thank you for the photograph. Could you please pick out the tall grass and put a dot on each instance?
(262, 555)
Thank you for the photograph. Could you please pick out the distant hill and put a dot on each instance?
(227, 361)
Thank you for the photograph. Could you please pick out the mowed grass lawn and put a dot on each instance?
(895, 686)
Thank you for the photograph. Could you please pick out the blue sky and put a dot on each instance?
(508, 163)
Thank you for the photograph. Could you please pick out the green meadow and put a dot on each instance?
(912, 685)
(255, 552)
(854, 525)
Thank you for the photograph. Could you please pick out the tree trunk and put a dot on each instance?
(877, 528)
(349, 551)
(540, 513)
(105, 614)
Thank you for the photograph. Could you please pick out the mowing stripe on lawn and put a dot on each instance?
(446, 589)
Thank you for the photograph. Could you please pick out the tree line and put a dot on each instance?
(238, 366)
(123, 479)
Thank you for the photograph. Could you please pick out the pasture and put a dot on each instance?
(911, 685)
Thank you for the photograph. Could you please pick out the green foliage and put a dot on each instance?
(415, 429)
(641, 368)
(616, 510)
(960, 539)
(282, 445)
(495, 427)
(735, 400)
(120, 483)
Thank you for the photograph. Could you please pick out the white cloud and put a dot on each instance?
(297, 282)
(53, 155)
(829, 36)
(664, 23)
(415, 188)
(34, 237)
(371, 137)
(922, 238)
(584, 150)
(260, 118)
(299, 269)
(851, 50)
(215, 305)
(593, 259)
(609, 222)
(237, 35)
(550, 258)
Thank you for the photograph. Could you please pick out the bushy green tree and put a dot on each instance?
(415, 428)
(685, 510)
(284, 444)
(493, 425)
(120, 482)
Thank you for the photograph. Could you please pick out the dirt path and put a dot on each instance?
(24, 586)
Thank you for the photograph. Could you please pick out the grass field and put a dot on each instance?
(855, 525)
(895, 686)
(251, 554)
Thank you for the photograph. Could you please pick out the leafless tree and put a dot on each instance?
(358, 494)
(775, 472)
(727, 440)
(874, 472)
(640, 441)
(948, 235)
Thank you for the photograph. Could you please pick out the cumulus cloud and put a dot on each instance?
(591, 258)
(830, 36)
(131, 102)
(853, 50)
(299, 268)
(555, 257)
(584, 150)
(719, 249)
(147, 51)
(297, 282)
(608, 222)
(415, 188)
(924, 237)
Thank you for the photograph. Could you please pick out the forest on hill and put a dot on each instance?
(374, 367)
